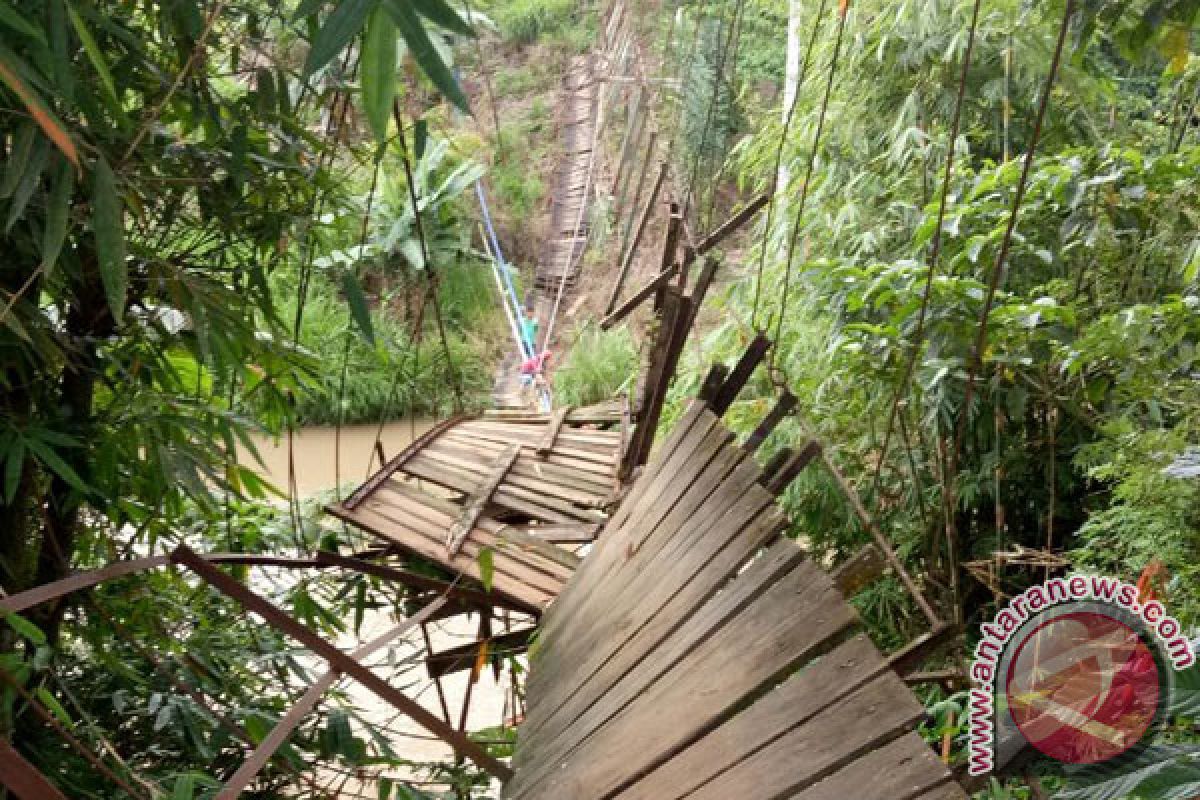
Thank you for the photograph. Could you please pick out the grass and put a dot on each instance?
(527, 21)
(599, 365)
(387, 381)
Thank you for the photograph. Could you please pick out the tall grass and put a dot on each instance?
(526, 21)
(599, 365)
(394, 378)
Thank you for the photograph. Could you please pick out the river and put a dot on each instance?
(325, 458)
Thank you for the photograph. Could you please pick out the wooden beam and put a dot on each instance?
(464, 657)
(564, 533)
(713, 381)
(792, 467)
(860, 569)
(906, 659)
(480, 498)
(731, 225)
(740, 374)
(553, 426)
(631, 251)
(783, 406)
(285, 623)
(655, 284)
(262, 754)
(24, 779)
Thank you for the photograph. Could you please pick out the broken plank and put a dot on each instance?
(479, 499)
(552, 430)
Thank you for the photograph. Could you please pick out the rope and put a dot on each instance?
(935, 249)
(783, 137)
(812, 159)
(527, 345)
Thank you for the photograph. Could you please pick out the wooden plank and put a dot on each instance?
(564, 534)
(663, 612)
(871, 717)
(733, 224)
(784, 623)
(604, 562)
(658, 561)
(904, 769)
(631, 252)
(740, 374)
(782, 408)
(415, 543)
(283, 729)
(24, 779)
(479, 500)
(464, 657)
(525, 475)
(816, 688)
(862, 568)
(649, 288)
(553, 427)
(792, 467)
(716, 376)
(414, 447)
(257, 604)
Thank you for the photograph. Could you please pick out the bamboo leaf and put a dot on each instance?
(52, 704)
(26, 628)
(343, 24)
(94, 53)
(440, 12)
(54, 462)
(378, 70)
(358, 306)
(21, 149)
(108, 228)
(11, 69)
(29, 182)
(58, 215)
(10, 17)
(487, 567)
(425, 54)
(14, 465)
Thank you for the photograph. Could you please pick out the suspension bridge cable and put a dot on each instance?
(818, 23)
(798, 220)
(935, 248)
(430, 275)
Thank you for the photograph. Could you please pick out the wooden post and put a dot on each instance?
(631, 252)
(670, 245)
(636, 201)
(627, 142)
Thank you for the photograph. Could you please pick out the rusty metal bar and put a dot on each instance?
(24, 779)
(279, 619)
(262, 754)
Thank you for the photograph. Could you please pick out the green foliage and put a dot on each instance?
(527, 21)
(599, 365)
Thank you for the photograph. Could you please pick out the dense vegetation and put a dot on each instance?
(210, 227)
(1066, 425)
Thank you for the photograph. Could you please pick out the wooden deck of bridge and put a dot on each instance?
(515, 484)
(697, 653)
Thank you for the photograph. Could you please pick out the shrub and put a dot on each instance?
(526, 21)
(599, 365)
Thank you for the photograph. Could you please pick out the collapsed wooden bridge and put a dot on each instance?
(680, 644)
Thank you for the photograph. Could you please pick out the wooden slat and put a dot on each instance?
(872, 716)
(464, 657)
(553, 427)
(816, 688)
(740, 374)
(667, 564)
(905, 769)
(564, 534)
(479, 500)
(747, 646)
